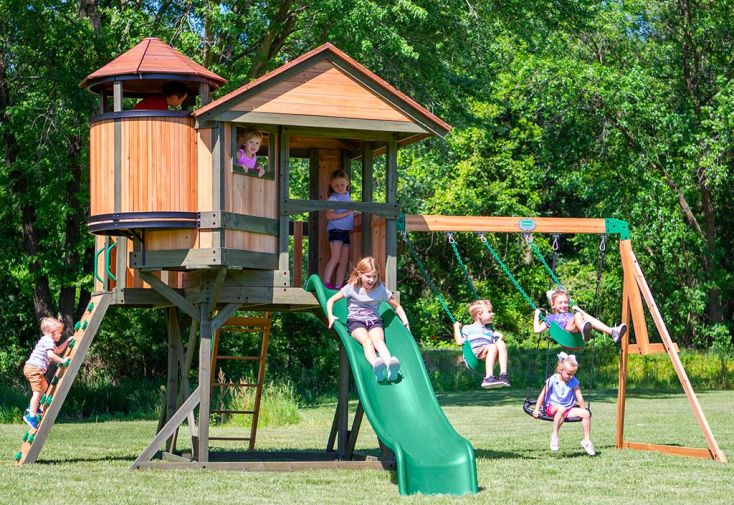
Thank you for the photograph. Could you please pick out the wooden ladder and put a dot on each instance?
(60, 383)
(242, 325)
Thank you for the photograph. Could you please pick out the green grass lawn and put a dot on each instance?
(88, 462)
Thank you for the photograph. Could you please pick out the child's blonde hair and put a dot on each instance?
(566, 360)
(337, 174)
(476, 304)
(364, 266)
(555, 293)
(250, 133)
(48, 324)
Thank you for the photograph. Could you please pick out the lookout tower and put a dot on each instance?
(179, 225)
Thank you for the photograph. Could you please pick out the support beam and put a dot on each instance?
(169, 294)
(170, 427)
(716, 452)
(367, 196)
(205, 360)
(504, 224)
(391, 197)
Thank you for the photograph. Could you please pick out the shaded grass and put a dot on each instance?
(87, 463)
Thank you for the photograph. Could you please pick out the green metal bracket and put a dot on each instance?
(84, 325)
(18, 455)
(54, 380)
(31, 438)
(24, 438)
(107, 261)
(400, 222)
(72, 343)
(90, 307)
(618, 226)
(96, 261)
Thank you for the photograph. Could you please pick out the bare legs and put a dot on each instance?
(490, 353)
(584, 414)
(337, 261)
(580, 317)
(372, 340)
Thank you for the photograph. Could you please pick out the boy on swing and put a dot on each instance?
(486, 343)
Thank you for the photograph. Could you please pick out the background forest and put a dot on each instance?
(574, 108)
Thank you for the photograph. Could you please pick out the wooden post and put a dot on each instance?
(297, 275)
(203, 93)
(391, 196)
(627, 286)
(174, 340)
(313, 217)
(367, 196)
(343, 404)
(283, 179)
(205, 357)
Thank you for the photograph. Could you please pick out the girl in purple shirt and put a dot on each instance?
(577, 321)
(561, 398)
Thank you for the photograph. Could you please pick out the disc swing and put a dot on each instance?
(529, 403)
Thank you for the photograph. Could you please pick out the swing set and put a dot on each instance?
(634, 290)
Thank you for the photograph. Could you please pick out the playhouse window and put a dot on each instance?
(243, 141)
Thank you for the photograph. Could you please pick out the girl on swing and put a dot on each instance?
(574, 322)
(561, 397)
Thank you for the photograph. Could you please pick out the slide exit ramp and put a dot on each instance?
(430, 456)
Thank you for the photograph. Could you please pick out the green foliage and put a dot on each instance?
(569, 109)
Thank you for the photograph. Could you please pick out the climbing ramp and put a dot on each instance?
(60, 383)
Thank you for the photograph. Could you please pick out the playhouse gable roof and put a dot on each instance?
(325, 88)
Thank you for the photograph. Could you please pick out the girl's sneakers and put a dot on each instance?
(380, 370)
(393, 367)
(618, 332)
(588, 447)
(555, 444)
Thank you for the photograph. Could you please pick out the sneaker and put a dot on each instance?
(504, 380)
(328, 285)
(618, 332)
(586, 330)
(491, 383)
(393, 367)
(554, 443)
(588, 447)
(380, 370)
(31, 421)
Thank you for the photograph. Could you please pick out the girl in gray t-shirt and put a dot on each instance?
(364, 292)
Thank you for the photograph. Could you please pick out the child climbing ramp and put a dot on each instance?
(58, 387)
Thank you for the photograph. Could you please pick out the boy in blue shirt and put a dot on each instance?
(46, 350)
(486, 343)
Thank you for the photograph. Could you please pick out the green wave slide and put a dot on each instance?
(430, 456)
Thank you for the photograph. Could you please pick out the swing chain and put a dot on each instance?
(426, 276)
(507, 272)
(603, 243)
(556, 236)
(464, 270)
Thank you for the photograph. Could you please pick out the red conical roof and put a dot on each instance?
(151, 57)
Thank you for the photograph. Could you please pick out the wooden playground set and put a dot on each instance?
(180, 227)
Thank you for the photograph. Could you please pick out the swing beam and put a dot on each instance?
(634, 290)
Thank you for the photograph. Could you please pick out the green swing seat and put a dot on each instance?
(469, 358)
(564, 338)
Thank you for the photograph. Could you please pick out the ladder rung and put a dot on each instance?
(229, 438)
(223, 411)
(240, 358)
(234, 385)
